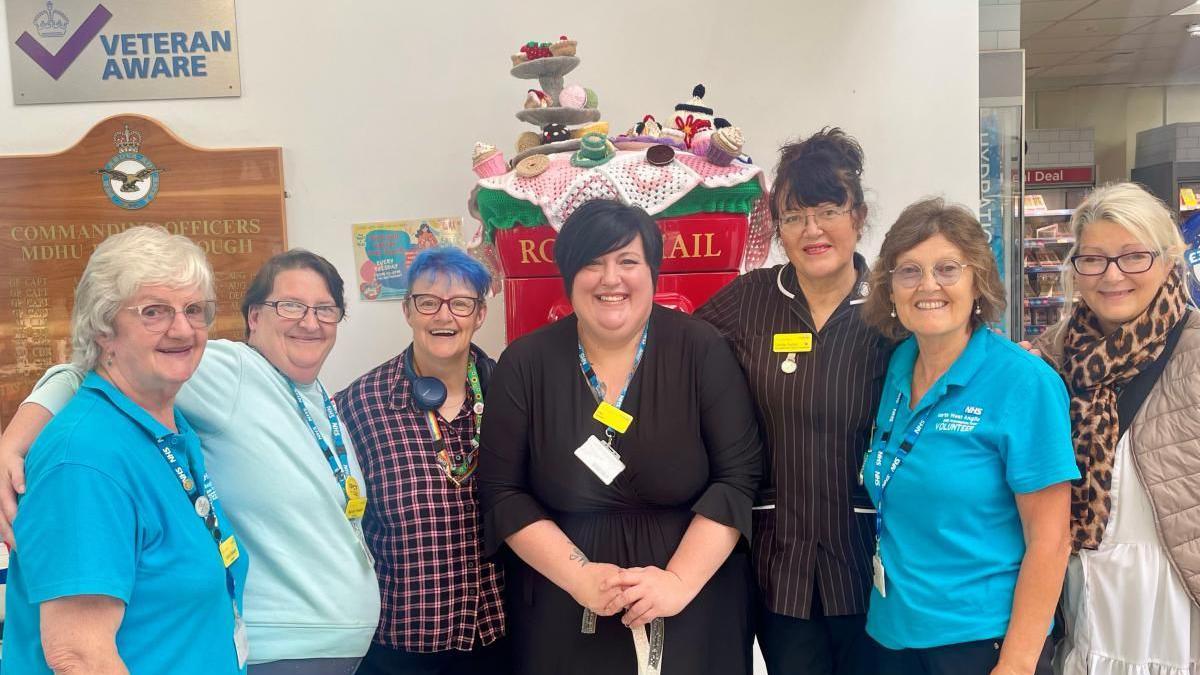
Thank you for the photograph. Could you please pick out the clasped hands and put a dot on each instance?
(642, 593)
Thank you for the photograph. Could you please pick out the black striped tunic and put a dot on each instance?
(812, 527)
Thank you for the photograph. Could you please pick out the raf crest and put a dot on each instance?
(129, 178)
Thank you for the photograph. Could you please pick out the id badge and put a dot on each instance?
(879, 575)
(241, 644)
(791, 342)
(229, 551)
(611, 416)
(601, 459)
(356, 507)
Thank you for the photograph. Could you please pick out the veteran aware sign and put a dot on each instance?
(128, 170)
(121, 50)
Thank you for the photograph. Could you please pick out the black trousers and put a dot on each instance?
(494, 659)
(964, 658)
(819, 645)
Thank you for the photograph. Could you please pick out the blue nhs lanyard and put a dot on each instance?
(341, 463)
(882, 480)
(598, 387)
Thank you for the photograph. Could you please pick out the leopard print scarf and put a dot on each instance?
(1095, 365)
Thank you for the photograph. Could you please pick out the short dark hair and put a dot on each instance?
(294, 259)
(825, 167)
(603, 226)
(920, 221)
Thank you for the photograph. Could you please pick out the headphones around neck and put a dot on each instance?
(429, 393)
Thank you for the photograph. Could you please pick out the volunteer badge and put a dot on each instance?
(129, 178)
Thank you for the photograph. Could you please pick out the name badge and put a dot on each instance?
(601, 459)
(879, 575)
(229, 550)
(356, 507)
(612, 416)
(241, 643)
(791, 342)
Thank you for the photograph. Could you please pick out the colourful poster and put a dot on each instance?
(383, 251)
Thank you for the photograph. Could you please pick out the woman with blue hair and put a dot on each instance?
(415, 421)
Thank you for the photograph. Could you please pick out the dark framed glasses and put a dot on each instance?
(157, 317)
(292, 310)
(460, 305)
(1135, 262)
(945, 272)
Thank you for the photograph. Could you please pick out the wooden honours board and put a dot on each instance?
(127, 170)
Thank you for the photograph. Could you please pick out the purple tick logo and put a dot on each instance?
(56, 64)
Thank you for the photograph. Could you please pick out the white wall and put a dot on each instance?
(1117, 113)
(377, 104)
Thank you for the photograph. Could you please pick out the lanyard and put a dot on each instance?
(459, 468)
(339, 464)
(906, 446)
(598, 389)
(203, 498)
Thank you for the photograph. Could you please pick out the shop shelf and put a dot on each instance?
(1048, 241)
(1045, 301)
(1049, 213)
(1043, 269)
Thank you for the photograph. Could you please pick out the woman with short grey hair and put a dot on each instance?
(126, 560)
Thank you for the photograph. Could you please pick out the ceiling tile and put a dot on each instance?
(1084, 70)
(1040, 59)
(1115, 9)
(1091, 27)
(1053, 10)
(1173, 40)
(1052, 45)
(1169, 24)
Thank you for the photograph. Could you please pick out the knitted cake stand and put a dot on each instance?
(549, 72)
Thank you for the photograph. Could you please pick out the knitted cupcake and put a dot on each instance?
(724, 146)
(487, 161)
(563, 47)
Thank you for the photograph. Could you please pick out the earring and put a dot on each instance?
(978, 309)
(893, 310)
(108, 361)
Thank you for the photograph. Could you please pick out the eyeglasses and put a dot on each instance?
(292, 310)
(158, 317)
(822, 216)
(460, 305)
(945, 272)
(1129, 263)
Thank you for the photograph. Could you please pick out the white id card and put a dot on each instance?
(241, 644)
(601, 459)
(880, 580)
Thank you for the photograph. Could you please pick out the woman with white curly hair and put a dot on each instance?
(127, 562)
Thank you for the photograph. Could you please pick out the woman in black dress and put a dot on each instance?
(630, 534)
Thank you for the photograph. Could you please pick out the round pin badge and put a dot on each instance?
(533, 165)
(660, 155)
(864, 289)
(203, 506)
(788, 366)
(188, 484)
(478, 408)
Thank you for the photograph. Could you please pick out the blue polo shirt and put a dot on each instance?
(952, 539)
(104, 514)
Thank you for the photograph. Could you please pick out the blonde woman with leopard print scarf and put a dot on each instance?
(1129, 350)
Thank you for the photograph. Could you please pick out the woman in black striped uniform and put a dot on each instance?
(815, 370)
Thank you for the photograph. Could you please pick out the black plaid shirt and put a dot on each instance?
(436, 594)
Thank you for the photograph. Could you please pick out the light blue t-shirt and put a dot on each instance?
(952, 538)
(105, 514)
(311, 592)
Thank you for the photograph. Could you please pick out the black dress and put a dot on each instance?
(693, 448)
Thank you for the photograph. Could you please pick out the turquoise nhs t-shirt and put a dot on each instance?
(952, 539)
(105, 515)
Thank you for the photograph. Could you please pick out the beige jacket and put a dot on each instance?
(1165, 439)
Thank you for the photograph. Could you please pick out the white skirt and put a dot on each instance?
(1127, 611)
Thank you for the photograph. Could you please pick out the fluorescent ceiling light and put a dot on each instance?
(1194, 30)
(1193, 8)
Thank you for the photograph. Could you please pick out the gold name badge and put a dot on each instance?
(229, 551)
(356, 507)
(790, 343)
(612, 416)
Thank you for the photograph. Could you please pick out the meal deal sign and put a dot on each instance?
(69, 51)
